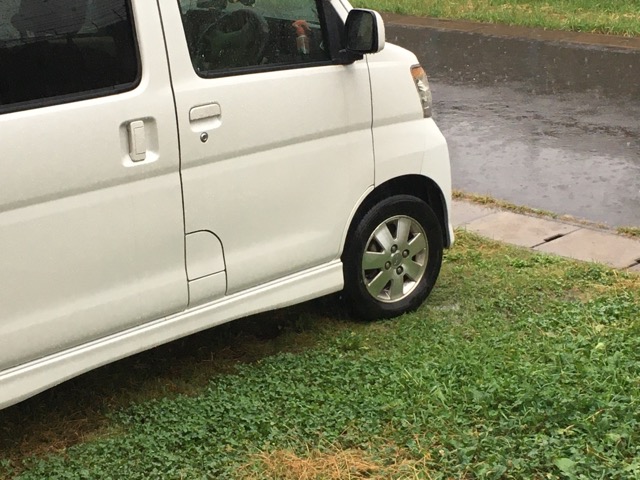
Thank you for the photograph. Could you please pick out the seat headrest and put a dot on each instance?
(50, 17)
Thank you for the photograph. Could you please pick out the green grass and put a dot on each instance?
(520, 365)
(621, 17)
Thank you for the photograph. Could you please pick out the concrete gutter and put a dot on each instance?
(543, 61)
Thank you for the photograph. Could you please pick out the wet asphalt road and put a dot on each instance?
(573, 154)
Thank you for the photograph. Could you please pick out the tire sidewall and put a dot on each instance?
(362, 303)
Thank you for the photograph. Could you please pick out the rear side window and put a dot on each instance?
(54, 51)
(227, 36)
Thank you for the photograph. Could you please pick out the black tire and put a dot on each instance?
(402, 293)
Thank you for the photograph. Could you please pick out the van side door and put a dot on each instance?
(91, 220)
(275, 134)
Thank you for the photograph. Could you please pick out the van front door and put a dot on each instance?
(91, 224)
(275, 136)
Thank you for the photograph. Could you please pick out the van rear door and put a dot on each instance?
(91, 222)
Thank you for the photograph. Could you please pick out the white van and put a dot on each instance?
(169, 166)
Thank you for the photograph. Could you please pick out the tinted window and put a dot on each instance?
(251, 33)
(50, 49)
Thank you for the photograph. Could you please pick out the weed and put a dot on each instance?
(333, 464)
(629, 231)
(490, 201)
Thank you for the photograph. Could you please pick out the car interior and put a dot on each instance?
(225, 35)
(74, 45)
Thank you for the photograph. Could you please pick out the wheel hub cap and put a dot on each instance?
(395, 259)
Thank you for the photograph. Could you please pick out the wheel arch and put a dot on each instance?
(418, 186)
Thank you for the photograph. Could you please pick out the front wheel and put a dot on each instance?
(392, 258)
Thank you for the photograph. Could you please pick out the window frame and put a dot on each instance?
(331, 40)
(88, 94)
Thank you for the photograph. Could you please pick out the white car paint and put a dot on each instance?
(108, 248)
(82, 227)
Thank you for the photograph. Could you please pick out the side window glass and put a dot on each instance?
(226, 35)
(53, 49)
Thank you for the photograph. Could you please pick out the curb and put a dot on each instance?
(549, 236)
(546, 62)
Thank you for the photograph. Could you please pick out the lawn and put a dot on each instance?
(520, 365)
(621, 17)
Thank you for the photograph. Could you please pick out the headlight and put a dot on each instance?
(424, 92)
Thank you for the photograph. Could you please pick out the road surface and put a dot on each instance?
(573, 154)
